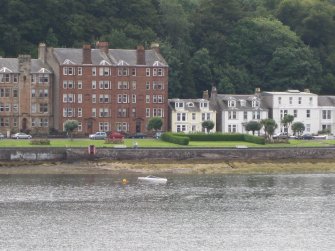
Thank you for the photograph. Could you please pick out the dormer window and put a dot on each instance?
(204, 104)
(179, 105)
(255, 103)
(231, 103)
(243, 102)
(190, 104)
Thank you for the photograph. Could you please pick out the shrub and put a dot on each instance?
(254, 139)
(176, 138)
(40, 142)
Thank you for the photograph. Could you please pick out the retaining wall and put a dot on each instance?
(73, 154)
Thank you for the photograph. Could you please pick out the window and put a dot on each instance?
(94, 98)
(133, 98)
(80, 112)
(308, 113)
(94, 71)
(133, 84)
(160, 72)
(299, 100)
(256, 115)
(80, 84)
(308, 127)
(123, 71)
(103, 112)
(94, 112)
(157, 86)
(232, 128)
(4, 122)
(133, 71)
(44, 122)
(154, 72)
(67, 112)
(5, 92)
(80, 126)
(80, 98)
(205, 116)
(33, 108)
(255, 103)
(179, 104)
(147, 85)
(295, 113)
(80, 71)
(245, 115)
(4, 78)
(15, 108)
(158, 112)
(43, 78)
(33, 93)
(290, 100)
(147, 112)
(122, 112)
(231, 115)
(15, 93)
(147, 99)
(43, 107)
(326, 114)
(123, 85)
(125, 98)
(64, 84)
(231, 103)
(147, 72)
(33, 78)
(15, 78)
(181, 116)
(181, 128)
(203, 104)
(15, 122)
(310, 100)
(68, 71)
(70, 84)
(279, 100)
(133, 112)
(194, 116)
(283, 113)
(94, 84)
(103, 126)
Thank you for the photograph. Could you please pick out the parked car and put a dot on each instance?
(138, 135)
(307, 136)
(21, 135)
(98, 135)
(2, 136)
(280, 136)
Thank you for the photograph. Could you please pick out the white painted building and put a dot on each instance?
(187, 115)
(235, 111)
(302, 105)
(327, 113)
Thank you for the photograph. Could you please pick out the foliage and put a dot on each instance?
(269, 127)
(253, 126)
(225, 137)
(208, 125)
(179, 139)
(298, 128)
(287, 120)
(236, 45)
(40, 142)
(155, 123)
(70, 126)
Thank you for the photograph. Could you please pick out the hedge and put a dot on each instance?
(179, 139)
(40, 142)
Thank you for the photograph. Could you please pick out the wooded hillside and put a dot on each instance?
(236, 45)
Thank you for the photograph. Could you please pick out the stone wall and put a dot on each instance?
(73, 154)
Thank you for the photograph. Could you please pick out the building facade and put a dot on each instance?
(25, 95)
(108, 89)
(187, 115)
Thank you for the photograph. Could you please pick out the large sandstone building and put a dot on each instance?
(103, 89)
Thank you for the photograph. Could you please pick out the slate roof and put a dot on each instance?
(13, 65)
(222, 102)
(195, 108)
(114, 57)
(326, 100)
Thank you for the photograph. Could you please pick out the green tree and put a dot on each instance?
(253, 126)
(287, 120)
(298, 128)
(208, 125)
(155, 123)
(269, 127)
(70, 126)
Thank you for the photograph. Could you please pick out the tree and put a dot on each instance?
(253, 126)
(298, 128)
(287, 120)
(155, 123)
(269, 127)
(70, 126)
(208, 125)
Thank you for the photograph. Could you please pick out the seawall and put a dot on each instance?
(74, 154)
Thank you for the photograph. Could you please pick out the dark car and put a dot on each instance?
(307, 136)
(280, 136)
(138, 135)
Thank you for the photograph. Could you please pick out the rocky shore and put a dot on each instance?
(160, 167)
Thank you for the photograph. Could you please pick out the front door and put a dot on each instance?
(138, 126)
(24, 124)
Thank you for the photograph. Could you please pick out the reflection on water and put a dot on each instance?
(190, 212)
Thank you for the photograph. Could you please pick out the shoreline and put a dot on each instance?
(173, 167)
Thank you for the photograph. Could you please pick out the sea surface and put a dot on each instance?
(190, 212)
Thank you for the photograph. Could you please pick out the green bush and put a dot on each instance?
(40, 142)
(175, 138)
(254, 139)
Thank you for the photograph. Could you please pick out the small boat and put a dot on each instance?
(153, 179)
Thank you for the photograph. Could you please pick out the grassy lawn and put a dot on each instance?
(159, 143)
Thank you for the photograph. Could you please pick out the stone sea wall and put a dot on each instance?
(73, 154)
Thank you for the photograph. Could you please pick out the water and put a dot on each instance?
(190, 212)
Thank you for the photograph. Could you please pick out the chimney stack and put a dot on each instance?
(307, 90)
(41, 52)
(140, 53)
(87, 54)
(213, 92)
(155, 46)
(205, 95)
(103, 46)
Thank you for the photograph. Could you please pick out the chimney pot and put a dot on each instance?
(103, 46)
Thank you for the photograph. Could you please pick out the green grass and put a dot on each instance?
(160, 143)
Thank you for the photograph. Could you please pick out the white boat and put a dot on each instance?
(153, 179)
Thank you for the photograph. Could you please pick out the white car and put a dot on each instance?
(21, 135)
(98, 135)
(2, 136)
